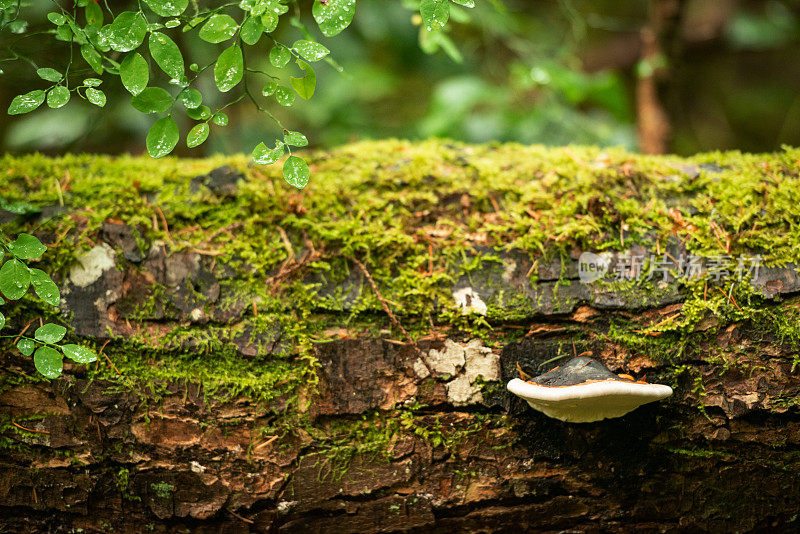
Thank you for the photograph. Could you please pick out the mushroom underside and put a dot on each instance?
(589, 401)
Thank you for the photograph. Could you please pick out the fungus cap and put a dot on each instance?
(584, 390)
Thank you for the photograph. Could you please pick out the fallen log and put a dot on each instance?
(335, 359)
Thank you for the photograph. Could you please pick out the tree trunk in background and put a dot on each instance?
(370, 441)
(658, 42)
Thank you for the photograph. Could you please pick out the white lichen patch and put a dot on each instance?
(420, 369)
(481, 362)
(461, 392)
(447, 361)
(466, 363)
(469, 301)
(92, 265)
(509, 268)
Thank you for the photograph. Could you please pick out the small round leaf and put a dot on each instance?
(50, 333)
(78, 354)
(26, 346)
(152, 100)
(26, 103)
(218, 28)
(229, 69)
(295, 172)
(197, 135)
(333, 16)
(48, 362)
(162, 137)
(51, 75)
(295, 139)
(96, 97)
(45, 288)
(134, 73)
(279, 56)
(15, 278)
(58, 97)
(27, 247)
(265, 156)
(167, 55)
(310, 50)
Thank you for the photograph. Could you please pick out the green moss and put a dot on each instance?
(400, 208)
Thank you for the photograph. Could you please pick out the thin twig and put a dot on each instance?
(224, 229)
(237, 516)
(16, 339)
(29, 430)
(730, 299)
(163, 221)
(389, 312)
(107, 358)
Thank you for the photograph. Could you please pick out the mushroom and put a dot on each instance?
(585, 390)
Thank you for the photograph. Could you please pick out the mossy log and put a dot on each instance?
(251, 378)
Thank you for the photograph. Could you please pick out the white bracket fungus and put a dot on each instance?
(584, 390)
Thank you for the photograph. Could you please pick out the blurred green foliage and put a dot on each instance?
(528, 71)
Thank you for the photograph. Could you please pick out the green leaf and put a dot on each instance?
(265, 156)
(50, 333)
(220, 119)
(269, 88)
(26, 346)
(279, 56)
(304, 86)
(78, 354)
(27, 247)
(333, 16)
(152, 100)
(64, 33)
(93, 58)
(295, 139)
(51, 75)
(284, 96)
(134, 73)
(26, 103)
(57, 97)
(229, 70)
(167, 8)
(191, 98)
(252, 30)
(201, 113)
(270, 21)
(15, 278)
(45, 287)
(94, 14)
(2, 320)
(92, 82)
(167, 55)
(48, 362)
(465, 3)
(218, 28)
(96, 97)
(295, 172)
(162, 137)
(197, 135)
(56, 18)
(310, 51)
(127, 31)
(435, 13)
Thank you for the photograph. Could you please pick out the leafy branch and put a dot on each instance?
(16, 278)
(126, 44)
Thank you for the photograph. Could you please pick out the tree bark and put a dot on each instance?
(377, 434)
